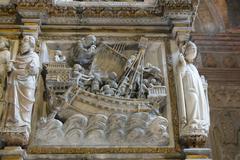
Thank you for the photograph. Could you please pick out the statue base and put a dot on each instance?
(193, 141)
(197, 154)
(14, 136)
(12, 153)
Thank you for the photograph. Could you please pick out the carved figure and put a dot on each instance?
(4, 68)
(96, 83)
(152, 69)
(123, 87)
(144, 88)
(58, 57)
(193, 108)
(112, 80)
(85, 50)
(22, 85)
(78, 74)
(107, 90)
(130, 62)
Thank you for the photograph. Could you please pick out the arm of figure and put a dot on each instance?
(181, 64)
(181, 68)
(21, 72)
(86, 77)
(33, 67)
(92, 50)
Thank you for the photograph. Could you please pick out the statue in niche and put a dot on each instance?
(21, 86)
(4, 68)
(84, 51)
(194, 109)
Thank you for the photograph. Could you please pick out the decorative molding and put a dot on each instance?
(123, 13)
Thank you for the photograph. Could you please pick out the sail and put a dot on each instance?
(115, 61)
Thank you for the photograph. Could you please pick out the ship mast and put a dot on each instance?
(136, 67)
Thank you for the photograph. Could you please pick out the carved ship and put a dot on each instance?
(80, 100)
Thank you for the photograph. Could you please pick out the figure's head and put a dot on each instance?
(190, 51)
(107, 87)
(77, 67)
(145, 81)
(4, 43)
(148, 65)
(132, 57)
(27, 44)
(153, 81)
(58, 52)
(89, 40)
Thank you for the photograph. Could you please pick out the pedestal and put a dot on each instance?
(197, 154)
(12, 153)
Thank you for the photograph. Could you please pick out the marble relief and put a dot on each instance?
(103, 93)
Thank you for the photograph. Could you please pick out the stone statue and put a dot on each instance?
(193, 108)
(96, 83)
(112, 81)
(4, 68)
(107, 90)
(123, 87)
(58, 57)
(79, 75)
(130, 62)
(21, 86)
(85, 50)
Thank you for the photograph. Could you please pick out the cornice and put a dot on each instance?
(106, 13)
(227, 76)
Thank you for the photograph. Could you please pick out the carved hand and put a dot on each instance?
(181, 58)
(10, 67)
(183, 121)
(92, 48)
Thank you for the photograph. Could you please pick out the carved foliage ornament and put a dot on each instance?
(104, 11)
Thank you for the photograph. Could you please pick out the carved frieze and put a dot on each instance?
(111, 10)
